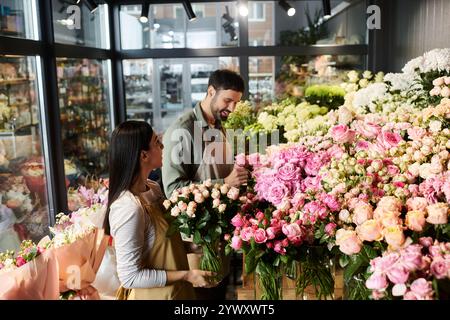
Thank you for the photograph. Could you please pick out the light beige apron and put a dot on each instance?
(166, 254)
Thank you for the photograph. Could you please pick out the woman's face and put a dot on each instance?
(153, 158)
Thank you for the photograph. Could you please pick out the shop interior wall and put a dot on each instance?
(416, 26)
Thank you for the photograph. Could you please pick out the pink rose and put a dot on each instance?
(335, 151)
(361, 145)
(279, 248)
(342, 134)
(259, 215)
(417, 203)
(247, 234)
(389, 139)
(370, 231)
(288, 172)
(260, 236)
(410, 295)
(394, 236)
(292, 231)
(415, 220)
(237, 221)
(437, 213)
(240, 160)
(362, 212)
(276, 192)
(367, 129)
(384, 263)
(233, 193)
(416, 133)
(253, 159)
(271, 233)
(236, 242)
(421, 287)
(426, 241)
(348, 241)
(393, 170)
(398, 274)
(439, 268)
(330, 229)
(331, 202)
(377, 281)
(20, 261)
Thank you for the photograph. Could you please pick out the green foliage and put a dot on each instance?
(325, 95)
(241, 117)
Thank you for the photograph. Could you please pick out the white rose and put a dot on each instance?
(215, 194)
(222, 207)
(182, 205)
(367, 74)
(208, 183)
(199, 198)
(175, 212)
(205, 194)
(344, 215)
(435, 126)
(224, 189)
(216, 203)
(167, 204)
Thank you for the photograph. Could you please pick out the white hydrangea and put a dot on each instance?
(365, 97)
(268, 121)
(437, 59)
(400, 81)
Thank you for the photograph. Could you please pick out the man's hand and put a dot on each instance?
(237, 177)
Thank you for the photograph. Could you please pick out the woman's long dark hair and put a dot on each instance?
(127, 142)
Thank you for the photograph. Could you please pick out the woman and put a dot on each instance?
(149, 265)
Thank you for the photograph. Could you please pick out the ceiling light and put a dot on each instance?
(287, 7)
(326, 9)
(188, 8)
(144, 13)
(243, 10)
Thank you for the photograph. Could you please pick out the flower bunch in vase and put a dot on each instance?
(201, 213)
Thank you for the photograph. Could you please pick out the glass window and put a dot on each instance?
(261, 79)
(181, 83)
(85, 117)
(23, 196)
(76, 24)
(256, 11)
(138, 77)
(261, 23)
(19, 19)
(168, 26)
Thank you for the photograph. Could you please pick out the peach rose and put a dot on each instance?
(390, 220)
(394, 236)
(415, 220)
(370, 230)
(348, 241)
(417, 203)
(437, 213)
(386, 205)
(362, 212)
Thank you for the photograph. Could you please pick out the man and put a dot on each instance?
(195, 145)
(196, 149)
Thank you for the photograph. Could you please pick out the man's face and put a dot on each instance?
(224, 102)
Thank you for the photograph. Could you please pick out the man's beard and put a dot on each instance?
(217, 113)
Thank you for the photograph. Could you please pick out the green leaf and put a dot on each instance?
(207, 238)
(218, 230)
(344, 260)
(353, 266)
(197, 237)
(171, 230)
(250, 261)
(201, 225)
(228, 250)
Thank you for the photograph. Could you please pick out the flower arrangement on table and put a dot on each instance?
(202, 212)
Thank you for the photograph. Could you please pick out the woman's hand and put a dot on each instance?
(199, 278)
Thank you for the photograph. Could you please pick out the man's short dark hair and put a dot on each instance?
(226, 80)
